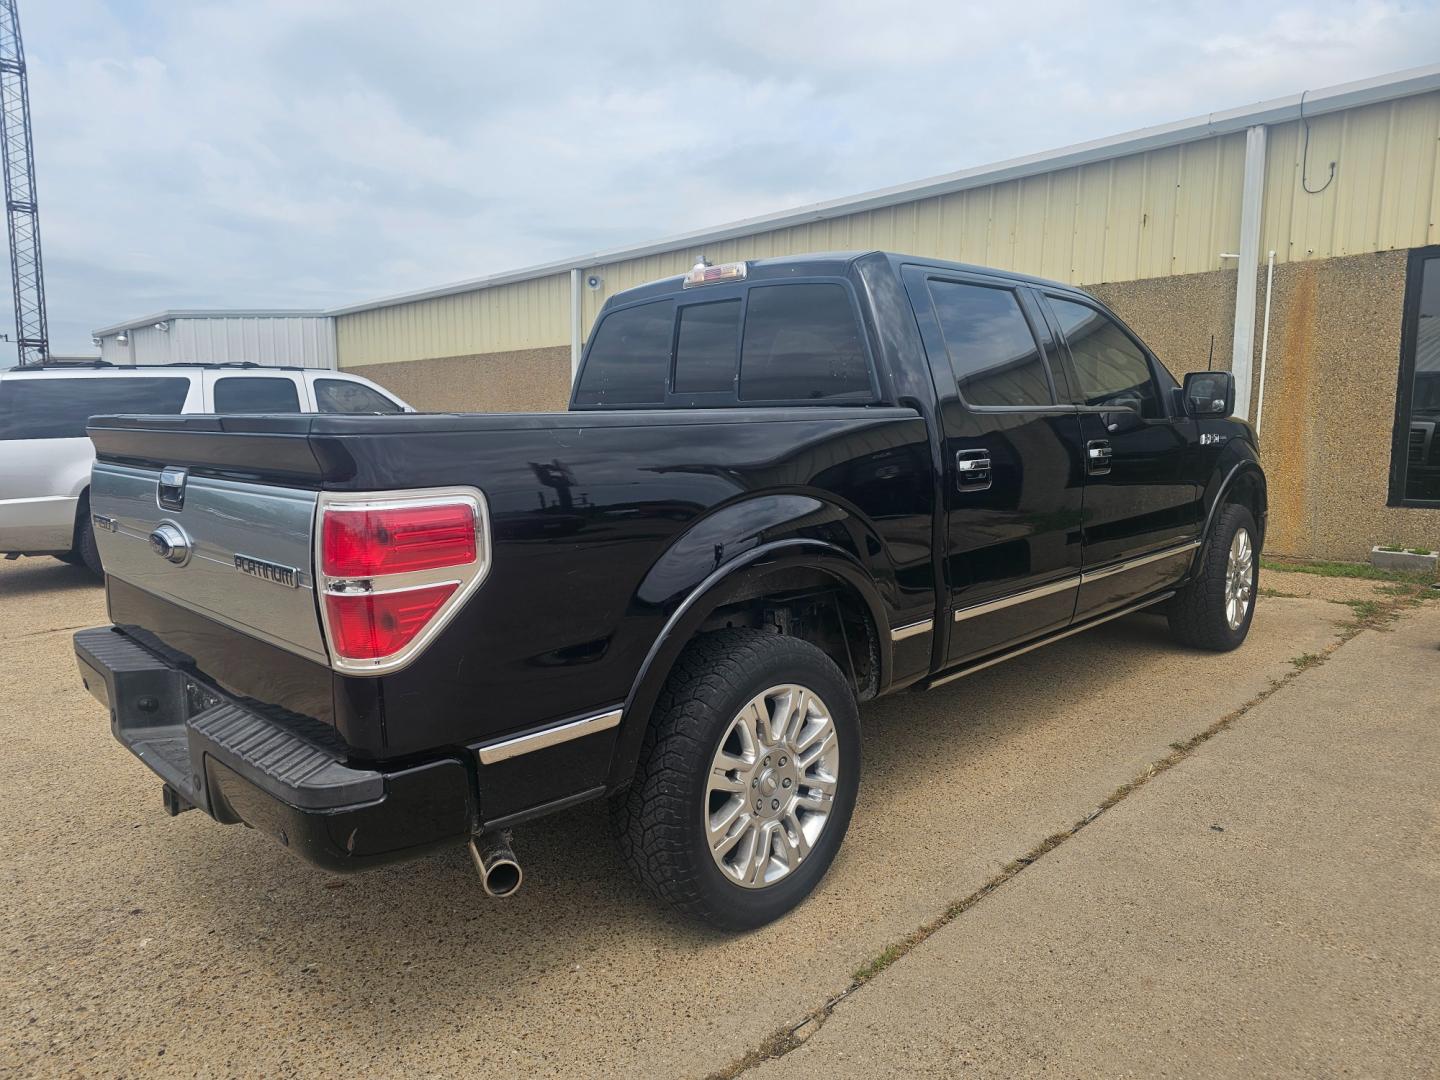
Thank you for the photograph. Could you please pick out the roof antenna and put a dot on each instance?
(1211, 362)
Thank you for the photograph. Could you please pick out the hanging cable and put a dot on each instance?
(1305, 154)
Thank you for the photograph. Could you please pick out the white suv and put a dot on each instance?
(45, 456)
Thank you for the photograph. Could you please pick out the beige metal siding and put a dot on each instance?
(1386, 191)
(522, 315)
(1147, 215)
(1165, 212)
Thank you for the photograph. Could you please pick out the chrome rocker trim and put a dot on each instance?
(900, 633)
(505, 749)
(1083, 578)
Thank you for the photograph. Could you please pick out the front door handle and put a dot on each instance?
(972, 470)
(1098, 455)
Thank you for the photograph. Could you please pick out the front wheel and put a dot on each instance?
(1214, 611)
(746, 781)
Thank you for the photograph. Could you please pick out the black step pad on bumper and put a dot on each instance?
(281, 762)
(239, 765)
(148, 704)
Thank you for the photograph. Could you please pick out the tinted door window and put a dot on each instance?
(1110, 366)
(343, 396)
(992, 351)
(259, 395)
(705, 348)
(629, 359)
(802, 342)
(58, 408)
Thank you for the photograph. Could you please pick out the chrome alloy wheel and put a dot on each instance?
(1239, 578)
(771, 786)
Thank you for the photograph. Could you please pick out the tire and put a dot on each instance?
(1201, 614)
(662, 819)
(85, 550)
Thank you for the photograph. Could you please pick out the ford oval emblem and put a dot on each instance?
(170, 543)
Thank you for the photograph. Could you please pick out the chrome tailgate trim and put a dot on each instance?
(231, 527)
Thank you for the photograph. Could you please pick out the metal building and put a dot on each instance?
(1172, 226)
(294, 338)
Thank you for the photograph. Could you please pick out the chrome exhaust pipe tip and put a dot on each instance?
(500, 873)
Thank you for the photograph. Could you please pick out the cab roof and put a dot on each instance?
(830, 264)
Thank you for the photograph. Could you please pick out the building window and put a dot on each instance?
(1415, 458)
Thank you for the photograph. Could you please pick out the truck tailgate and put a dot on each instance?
(244, 558)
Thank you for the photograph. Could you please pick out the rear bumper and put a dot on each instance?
(282, 778)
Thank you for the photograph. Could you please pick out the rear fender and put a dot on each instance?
(764, 561)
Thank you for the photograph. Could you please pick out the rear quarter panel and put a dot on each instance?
(603, 524)
(40, 484)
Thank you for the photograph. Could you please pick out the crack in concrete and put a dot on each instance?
(792, 1036)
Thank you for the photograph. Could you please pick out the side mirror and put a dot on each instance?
(1209, 393)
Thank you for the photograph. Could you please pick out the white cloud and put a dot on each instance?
(310, 152)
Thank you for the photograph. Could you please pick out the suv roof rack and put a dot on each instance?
(53, 365)
(63, 364)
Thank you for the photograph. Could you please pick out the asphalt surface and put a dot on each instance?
(134, 942)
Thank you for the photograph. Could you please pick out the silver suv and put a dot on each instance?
(45, 456)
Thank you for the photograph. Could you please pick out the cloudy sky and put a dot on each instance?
(305, 153)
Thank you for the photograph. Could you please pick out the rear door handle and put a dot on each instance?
(1098, 455)
(972, 470)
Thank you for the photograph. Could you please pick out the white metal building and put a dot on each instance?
(275, 338)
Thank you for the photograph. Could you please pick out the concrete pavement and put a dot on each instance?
(1268, 907)
(135, 943)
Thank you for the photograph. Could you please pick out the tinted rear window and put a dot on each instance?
(58, 408)
(629, 360)
(802, 343)
(705, 350)
(256, 395)
(344, 396)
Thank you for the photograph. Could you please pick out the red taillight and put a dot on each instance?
(391, 569)
(371, 541)
(367, 626)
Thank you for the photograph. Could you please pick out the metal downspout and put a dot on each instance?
(1264, 342)
(1251, 204)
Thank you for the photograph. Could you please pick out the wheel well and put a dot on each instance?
(815, 607)
(1249, 492)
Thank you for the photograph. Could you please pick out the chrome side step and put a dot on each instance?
(941, 680)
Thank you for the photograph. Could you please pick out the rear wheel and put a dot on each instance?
(1214, 611)
(746, 780)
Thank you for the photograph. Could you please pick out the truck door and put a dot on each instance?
(1011, 445)
(1142, 499)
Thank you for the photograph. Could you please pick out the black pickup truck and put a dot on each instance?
(783, 487)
